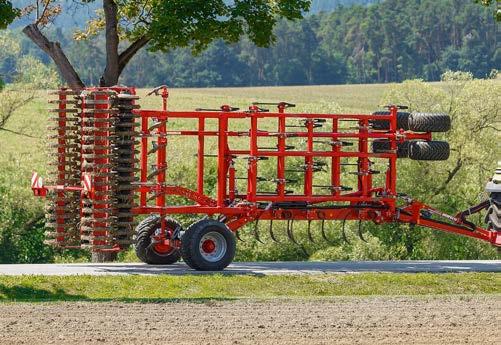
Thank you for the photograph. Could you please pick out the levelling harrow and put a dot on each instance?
(112, 160)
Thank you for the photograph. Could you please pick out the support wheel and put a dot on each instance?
(402, 121)
(383, 146)
(208, 245)
(429, 122)
(429, 150)
(155, 254)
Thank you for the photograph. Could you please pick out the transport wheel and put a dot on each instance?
(429, 122)
(402, 120)
(383, 146)
(208, 245)
(429, 150)
(155, 254)
(493, 216)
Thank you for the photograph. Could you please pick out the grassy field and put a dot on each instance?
(194, 287)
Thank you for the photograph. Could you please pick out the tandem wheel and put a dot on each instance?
(149, 252)
(208, 245)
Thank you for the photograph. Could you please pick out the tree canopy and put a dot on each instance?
(164, 25)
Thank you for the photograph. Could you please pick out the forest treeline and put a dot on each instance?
(388, 41)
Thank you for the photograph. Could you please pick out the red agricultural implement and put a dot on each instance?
(111, 162)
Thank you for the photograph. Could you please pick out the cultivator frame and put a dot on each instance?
(109, 122)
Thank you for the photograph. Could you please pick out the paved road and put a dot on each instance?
(259, 268)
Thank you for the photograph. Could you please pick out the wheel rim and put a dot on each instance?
(213, 246)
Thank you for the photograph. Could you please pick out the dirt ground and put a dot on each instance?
(373, 320)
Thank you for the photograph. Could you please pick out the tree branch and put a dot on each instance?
(53, 49)
(452, 173)
(111, 74)
(19, 133)
(128, 53)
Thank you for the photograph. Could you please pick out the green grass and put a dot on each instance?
(206, 287)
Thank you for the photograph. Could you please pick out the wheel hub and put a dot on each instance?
(162, 248)
(208, 246)
(213, 246)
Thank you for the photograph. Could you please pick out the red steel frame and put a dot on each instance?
(380, 204)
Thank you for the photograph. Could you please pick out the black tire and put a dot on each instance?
(142, 244)
(192, 247)
(429, 150)
(383, 146)
(429, 122)
(402, 121)
(493, 216)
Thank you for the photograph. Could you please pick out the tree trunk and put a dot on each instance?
(111, 72)
(53, 49)
(98, 257)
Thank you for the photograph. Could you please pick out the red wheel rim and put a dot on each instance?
(208, 246)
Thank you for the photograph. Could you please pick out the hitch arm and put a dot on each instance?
(420, 214)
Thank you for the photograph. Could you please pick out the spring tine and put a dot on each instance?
(256, 232)
(310, 236)
(343, 230)
(324, 235)
(360, 231)
(238, 236)
(290, 232)
(272, 235)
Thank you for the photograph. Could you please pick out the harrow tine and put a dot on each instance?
(324, 234)
(237, 234)
(272, 235)
(256, 232)
(290, 234)
(290, 228)
(343, 230)
(360, 231)
(310, 236)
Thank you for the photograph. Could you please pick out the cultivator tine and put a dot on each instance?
(256, 232)
(360, 231)
(290, 234)
(272, 235)
(237, 235)
(343, 230)
(290, 231)
(310, 235)
(324, 235)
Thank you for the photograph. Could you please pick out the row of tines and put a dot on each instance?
(96, 136)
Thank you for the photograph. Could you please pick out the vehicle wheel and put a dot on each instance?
(155, 254)
(402, 121)
(493, 216)
(429, 150)
(429, 122)
(383, 146)
(208, 245)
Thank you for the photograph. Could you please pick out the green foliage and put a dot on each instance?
(36, 75)
(454, 184)
(197, 23)
(7, 13)
(488, 3)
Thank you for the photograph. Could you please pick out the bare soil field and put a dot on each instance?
(370, 320)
